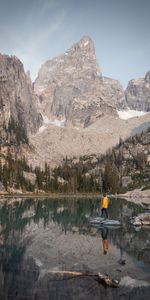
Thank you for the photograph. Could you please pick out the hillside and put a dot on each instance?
(125, 167)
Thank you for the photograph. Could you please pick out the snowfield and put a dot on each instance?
(127, 114)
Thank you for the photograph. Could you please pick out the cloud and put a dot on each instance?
(28, 41)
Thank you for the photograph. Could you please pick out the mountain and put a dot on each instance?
(18, 113)
(137, 94)
(79, 107)
(68, 115)
(70, 109)
(71, 87)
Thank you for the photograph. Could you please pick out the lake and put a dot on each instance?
(38, 236)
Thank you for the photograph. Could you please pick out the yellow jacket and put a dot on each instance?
(105, 202)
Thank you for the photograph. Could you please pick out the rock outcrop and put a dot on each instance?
(138, 94)
(18, 112)
(115, 93)
(71, 87)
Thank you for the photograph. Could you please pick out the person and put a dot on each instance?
(105, 203)
(104, 234)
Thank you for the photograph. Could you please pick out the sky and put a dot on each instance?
(38, 30)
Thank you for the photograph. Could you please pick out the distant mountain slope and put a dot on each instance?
(124, 167)
(53, 143)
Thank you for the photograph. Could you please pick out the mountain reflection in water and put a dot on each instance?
(42, 235)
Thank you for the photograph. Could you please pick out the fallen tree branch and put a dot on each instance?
(107, 281)
(103, 279)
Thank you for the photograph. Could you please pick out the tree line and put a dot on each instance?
(85, 175)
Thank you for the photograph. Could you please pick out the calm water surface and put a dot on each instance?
(42, 235)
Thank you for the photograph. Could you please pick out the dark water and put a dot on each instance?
(38, 236)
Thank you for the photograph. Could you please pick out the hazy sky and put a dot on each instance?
(38, 30)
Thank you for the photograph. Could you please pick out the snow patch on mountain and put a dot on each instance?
(127, 114)
(42, 128)
(47, 121)
(86, 43)
(56, 122)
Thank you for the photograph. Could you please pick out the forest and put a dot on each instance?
(86, 174)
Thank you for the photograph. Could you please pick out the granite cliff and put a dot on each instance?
(18, 113)
(137, 93)
(71, 87)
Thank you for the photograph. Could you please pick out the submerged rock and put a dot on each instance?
(99, 220)
(141, 219)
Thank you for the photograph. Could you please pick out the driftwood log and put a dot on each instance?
(141, 219)
(101, 278)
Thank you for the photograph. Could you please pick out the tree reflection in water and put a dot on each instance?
(21, 276)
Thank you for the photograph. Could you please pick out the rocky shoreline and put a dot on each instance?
(138, 196)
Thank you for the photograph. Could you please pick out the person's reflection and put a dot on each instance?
(104, 234)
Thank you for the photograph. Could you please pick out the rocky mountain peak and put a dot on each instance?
(138, 93)
(84, 51)
(78, 61)
(147, 77)
(85, 44)
(71, 86)
(10, 65)
(85, 40)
